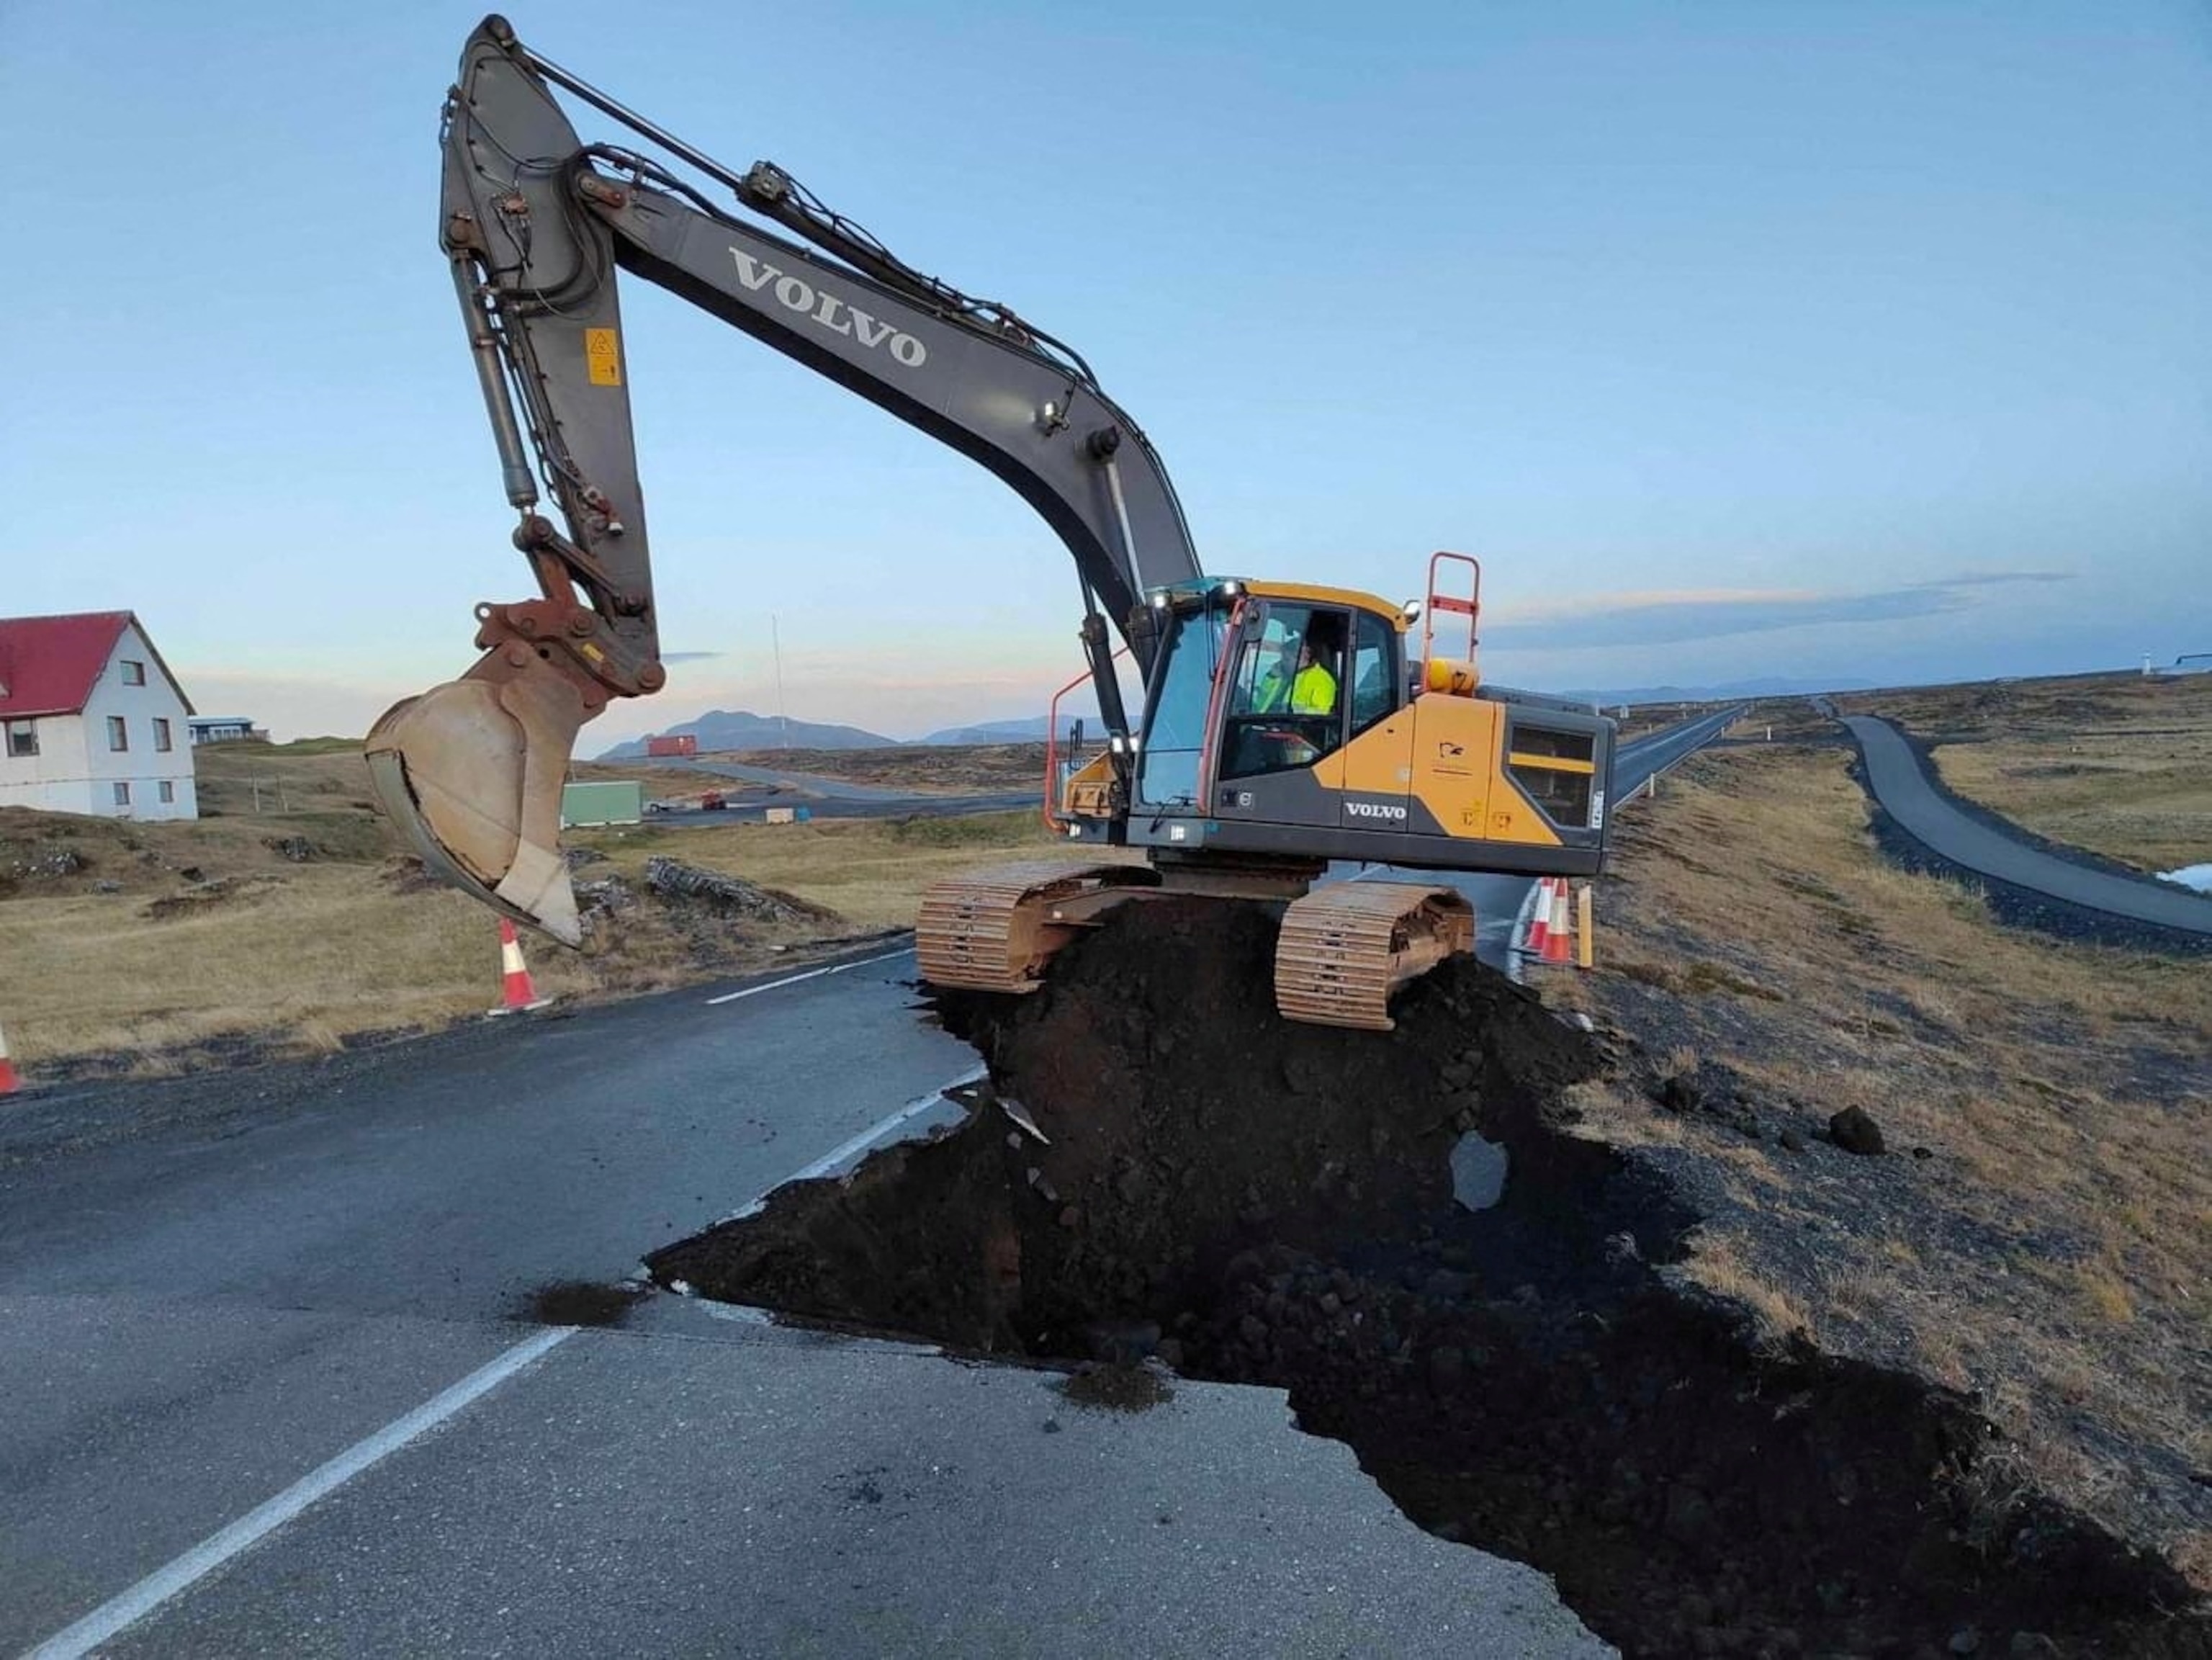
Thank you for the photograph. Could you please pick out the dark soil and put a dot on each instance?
(1126, 1387)
(581, 1303)
(1252, 1200)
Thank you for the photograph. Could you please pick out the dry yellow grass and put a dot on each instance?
(1719, 1266)
(2055, 1251)
(871, 870)
(2144, 801)
(305, 959)
(935, 768)
(210, 941)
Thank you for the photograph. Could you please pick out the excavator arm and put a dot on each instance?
(536, 225)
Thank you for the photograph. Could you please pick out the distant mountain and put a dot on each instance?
(1031, 731)
(1771, 686)
(741, 729)
(1034, 730)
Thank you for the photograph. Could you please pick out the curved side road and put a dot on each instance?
(1894, 776)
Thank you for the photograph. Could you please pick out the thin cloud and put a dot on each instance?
(1991, 579)
(1648, 620)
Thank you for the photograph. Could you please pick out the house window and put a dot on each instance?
(167, 792)
(161, 735)
(119, 735)
(22, 738)
(134, 674)
(122, 794)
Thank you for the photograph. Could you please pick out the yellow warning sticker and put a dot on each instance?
(603, 357)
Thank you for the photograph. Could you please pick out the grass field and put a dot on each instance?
(2117, 765)
(935, 768)
(2053, 1248)
(146, 948)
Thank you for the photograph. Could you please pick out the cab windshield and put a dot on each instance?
(1181, 698)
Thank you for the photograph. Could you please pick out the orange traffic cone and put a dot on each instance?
(8, 1082)
(1539, 920)
(521, 996)
(1556, 936)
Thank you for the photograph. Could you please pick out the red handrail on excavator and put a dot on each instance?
(1057, 825)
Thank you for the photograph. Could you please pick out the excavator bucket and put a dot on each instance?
(471, 772)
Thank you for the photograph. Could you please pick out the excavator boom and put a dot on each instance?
(536, 225)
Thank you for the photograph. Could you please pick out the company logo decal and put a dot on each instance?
(797, 294)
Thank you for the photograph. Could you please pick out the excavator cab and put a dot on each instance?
(1300, 725)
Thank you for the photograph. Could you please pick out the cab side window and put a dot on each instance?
(1374, 673)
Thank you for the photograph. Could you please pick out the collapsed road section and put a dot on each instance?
(1169, 1173)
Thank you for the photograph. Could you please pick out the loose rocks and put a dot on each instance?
(673, 880)
(1854, 1130)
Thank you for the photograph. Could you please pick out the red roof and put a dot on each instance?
(49, 665)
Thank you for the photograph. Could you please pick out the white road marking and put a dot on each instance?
(913, 1108)
(811, 974)
(866, 1139)
(110, 1618)
(1516, 947)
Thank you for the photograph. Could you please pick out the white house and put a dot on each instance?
(91, 720)
(223, 728)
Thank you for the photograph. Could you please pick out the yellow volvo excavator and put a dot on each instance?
(1283, 727)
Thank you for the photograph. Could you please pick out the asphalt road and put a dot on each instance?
(270, 1380)
(821, 788)
(220, 1325)
(835, 798)
(1893, 775)
(889, 807)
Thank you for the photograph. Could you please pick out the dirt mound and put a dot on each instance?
(1184, 1122)
(198, 897)
(405, 873)
(690, 886)
(1252, 1200)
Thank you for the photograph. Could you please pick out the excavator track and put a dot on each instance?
(1346, 948)
(998, 929)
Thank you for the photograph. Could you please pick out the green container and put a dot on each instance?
(602, 804)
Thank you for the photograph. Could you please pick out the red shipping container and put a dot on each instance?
(687, 744)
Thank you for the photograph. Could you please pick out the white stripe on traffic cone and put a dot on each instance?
(515, 987)
(1539, 920)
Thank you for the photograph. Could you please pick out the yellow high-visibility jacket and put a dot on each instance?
(1311, 691)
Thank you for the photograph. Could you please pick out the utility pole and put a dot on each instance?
(775, 644)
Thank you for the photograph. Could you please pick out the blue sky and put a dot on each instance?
(1845, 340)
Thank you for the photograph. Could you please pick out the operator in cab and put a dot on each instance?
(1290, 719)
(1298, 681)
